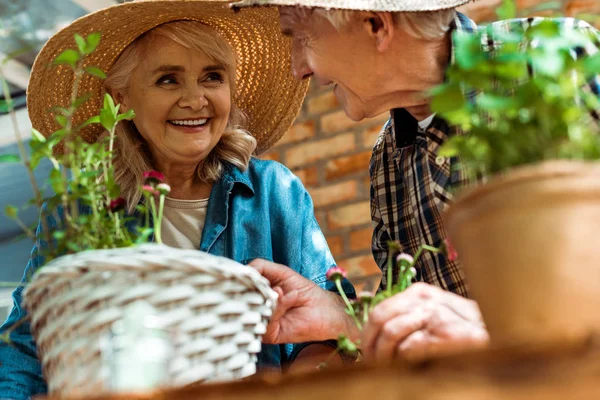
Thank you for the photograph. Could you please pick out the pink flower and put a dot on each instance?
(149, 189)
(335, 273)
(449, 250)
(365, 297)
(117, 204)
(163, 188)
(407, 258)
(153, 177)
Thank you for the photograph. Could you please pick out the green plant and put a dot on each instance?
(85, 193)
(399, 264)
(525, 102)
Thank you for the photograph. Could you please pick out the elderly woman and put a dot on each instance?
(180, 78)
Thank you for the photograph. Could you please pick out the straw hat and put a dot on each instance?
(360, 5)
(266, 90)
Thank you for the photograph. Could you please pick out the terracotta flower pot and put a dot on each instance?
(529, 243)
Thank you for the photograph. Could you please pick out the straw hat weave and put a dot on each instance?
(360, 5)
(266, 90)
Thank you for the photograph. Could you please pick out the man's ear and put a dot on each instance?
(380, 25)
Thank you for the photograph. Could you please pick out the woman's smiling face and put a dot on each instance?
(182, 101)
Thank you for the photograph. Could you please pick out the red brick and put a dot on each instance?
(298, 132)
(322, 103)
(332, 194)
(370, 136)
(344, 166)
(336, 245)
(361, 239)
(355, 214)
(308, 176)
(271, 155)
(338, 121)
(359, 266)
(306, 153)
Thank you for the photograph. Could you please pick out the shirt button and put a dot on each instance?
(439, 160)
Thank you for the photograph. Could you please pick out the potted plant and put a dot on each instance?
(96, 265)
(527, 236)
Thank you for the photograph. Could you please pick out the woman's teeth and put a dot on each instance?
(192, 122)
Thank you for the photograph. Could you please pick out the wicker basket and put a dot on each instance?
(219, 308)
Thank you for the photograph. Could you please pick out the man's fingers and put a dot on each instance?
(381, 314)
(393, 332)
(417, 346)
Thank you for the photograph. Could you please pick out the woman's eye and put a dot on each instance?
(214, 76)
(166, 80)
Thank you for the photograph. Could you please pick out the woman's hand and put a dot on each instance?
(305, 312)
(421, 322)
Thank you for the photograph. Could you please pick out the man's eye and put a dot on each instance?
(166, 80)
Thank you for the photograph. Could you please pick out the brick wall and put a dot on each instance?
(330, 153)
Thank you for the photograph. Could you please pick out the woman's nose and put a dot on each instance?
(194, 98)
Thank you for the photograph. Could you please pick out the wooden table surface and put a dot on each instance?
(563, 370)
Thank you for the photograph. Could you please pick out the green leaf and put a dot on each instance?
(107, 119)
(591, 64)
(95, 71)
(109, 103)
(59, 235)
(451, 99)
(81, 45)
(82, 99)
(93, 120)
(10, 158)
(68, 57)
(129, 115)
(6, 106)
(11, 211)
(37, 136)
(62, 120)
(56, 181)
(548, 63)
(508, 10)
(490, 102)
(468, 50)
(92, 42)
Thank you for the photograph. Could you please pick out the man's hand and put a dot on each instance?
(420, 322)
(305, 312)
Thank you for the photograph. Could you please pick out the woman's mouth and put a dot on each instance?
(192, 123)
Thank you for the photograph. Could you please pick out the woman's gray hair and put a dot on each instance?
(428, 25)
(132, 156)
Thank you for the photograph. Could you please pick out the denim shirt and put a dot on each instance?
(263, 212)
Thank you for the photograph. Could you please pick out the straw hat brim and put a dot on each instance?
(360, 5)
(266, 90)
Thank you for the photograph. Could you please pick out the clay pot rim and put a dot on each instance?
(542, 170)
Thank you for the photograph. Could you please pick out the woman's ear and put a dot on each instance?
(119, 98)
(380, 25)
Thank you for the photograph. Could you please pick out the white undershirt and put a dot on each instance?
(424, 124)
(183, 221)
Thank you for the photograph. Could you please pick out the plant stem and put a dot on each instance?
(338, 284)
(36, 190)
(390, 274)
(156, 223)
(158, 219)
(420, 251)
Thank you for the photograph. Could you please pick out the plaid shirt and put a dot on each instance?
(410, 183)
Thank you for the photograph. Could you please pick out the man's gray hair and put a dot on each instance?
(421, 25)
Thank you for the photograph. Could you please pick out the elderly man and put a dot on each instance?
(381, 55)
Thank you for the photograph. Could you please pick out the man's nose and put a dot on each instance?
(300, 68)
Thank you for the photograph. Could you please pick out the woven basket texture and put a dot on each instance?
(218, 308)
